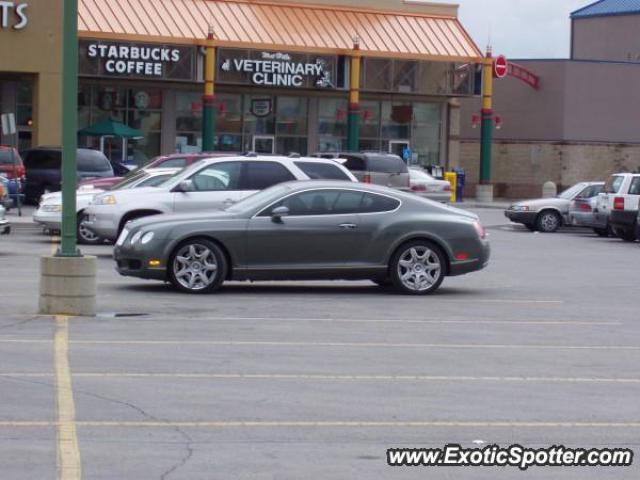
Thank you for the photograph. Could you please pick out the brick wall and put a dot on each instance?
(520, 169)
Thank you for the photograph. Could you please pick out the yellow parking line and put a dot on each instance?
(68, 453)
(355, 344)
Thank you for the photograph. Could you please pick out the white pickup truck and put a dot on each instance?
(617, 205)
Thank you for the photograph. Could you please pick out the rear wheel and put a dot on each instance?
(418, 268)
(548, 221)
(625, 234)
(197, 266)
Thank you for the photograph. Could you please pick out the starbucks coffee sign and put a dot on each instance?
(13, 15)
(279, 70)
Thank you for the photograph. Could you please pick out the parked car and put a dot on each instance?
(44, 169)
(377, 168)
(308, 231)
(49, 212)
(206, 185)
(582, 211)
(5, 200)
(548, 214)
(176, 160)
(5, 226)
(12, 168)
(426, 186)
(617, 205)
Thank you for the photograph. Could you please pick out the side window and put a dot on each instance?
(218, 177)
(322, 171)
(261, 175)
(355, 164)
(634, 188)
(348, 202)
(377, 203)
(172, 163)
(320, 202)
(614, 184)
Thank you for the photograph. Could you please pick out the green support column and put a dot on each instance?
(353, 125)
(68, 246)
(208, 100)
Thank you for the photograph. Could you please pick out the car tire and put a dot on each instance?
(548, 221)
(531, 227)
(86, 236)
(602, 232)
(418, 268)
(187, 267)
(625, 234)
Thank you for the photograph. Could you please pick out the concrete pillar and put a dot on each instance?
(68, 286)
(484, 193)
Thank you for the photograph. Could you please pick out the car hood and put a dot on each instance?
(545, 202)
(173, 219)
(56, 197)
(134, 194)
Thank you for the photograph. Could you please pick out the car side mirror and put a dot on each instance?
(184, 186)
(279, 212)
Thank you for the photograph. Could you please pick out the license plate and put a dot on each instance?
(122, 237)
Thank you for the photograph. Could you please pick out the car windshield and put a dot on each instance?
(260, 199)
(92, 161)
(129, 179)
(569, 193)
(184, 173)
(8, 156)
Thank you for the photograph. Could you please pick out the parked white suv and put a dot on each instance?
(209, 184)
(617, 205)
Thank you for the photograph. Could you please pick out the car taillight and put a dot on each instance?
(584, 207)
(482, 233)
(446, 188)
(419, 188)
(366, 179)
(618, 203)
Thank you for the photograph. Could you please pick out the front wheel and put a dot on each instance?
(530, 226)
(418, 268)
(86, 236)
(548, 222)
(197, 266)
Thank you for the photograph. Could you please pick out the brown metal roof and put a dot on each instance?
(279, 26)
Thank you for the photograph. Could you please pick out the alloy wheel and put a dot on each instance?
(85, 235)
(549, 222)
(195, 267)
(419, 268)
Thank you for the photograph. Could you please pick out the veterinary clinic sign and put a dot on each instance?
(13, 15)
(279, 70)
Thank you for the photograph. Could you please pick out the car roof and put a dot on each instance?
(365, 187)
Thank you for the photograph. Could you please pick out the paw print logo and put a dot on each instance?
(226, 66)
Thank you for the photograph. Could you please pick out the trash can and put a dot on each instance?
(451, 177)
(460, 182)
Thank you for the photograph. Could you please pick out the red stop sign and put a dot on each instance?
(500, 67)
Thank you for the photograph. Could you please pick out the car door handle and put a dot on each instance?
(348, 226)
(229, 202)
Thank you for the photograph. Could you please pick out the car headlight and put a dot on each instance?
(136, 237)
(51, 208)
(519, 208)
(146, 238)
(105, 200)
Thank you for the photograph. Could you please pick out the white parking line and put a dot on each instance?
(330, 424)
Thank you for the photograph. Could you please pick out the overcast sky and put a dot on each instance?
(521, 28)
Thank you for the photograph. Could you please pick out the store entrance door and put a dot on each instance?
(402, 148)
(265, 144)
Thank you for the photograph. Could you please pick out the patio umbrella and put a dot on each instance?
(112, 128)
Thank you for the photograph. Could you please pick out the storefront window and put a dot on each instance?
(332, 124)
(405, 74)
(370, 125)
(138, 108)
(426, 133)
(396, 120)
(377, 74)
(228, 123)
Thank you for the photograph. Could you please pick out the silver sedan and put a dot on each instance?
(308, 231)
(426, 186)
(549, 214)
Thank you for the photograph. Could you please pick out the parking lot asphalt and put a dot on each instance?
(294, 380)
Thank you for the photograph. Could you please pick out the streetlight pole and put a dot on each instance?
(68, 247)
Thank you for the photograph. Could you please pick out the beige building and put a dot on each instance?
(582, 123)
(30, 66)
